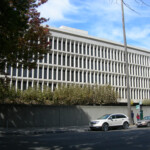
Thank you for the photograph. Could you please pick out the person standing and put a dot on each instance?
(138, 117)
(132, 116)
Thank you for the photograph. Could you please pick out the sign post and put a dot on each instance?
(141, 111)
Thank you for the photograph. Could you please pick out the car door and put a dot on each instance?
(112, 120)
(119, 120)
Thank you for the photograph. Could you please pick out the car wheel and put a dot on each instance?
(105, 127)
(148, 124)
(125, 125)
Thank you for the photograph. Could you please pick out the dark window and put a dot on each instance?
(84, 76)
(59, 48)
(88, 77)
(55, 44)
(45, 73)
(95, 51)
(50, 58)
(68, 60)
(30, 73)
(24, 85)
(40, 72)
(88, 63)
(84, 63)
(72, 75)
(72, 61)
(80, 62)
(63, 75)
(54, 74)
(35, 73)
(84, 49)
(55, 58)
(25, 72)
(92, 77)
(50, 73)
(50, 43)
(98, 52)
(64, 60)
(76, 48)
(14, 71)
(9, 70)
(59, 60)
(68, 75)
(64, 46)
(91, 50)
(80, 48)
(87, 50)
(92, 64)
(19, 71)
(19, 84)
(59, 74)
(99, 65)
(68, 47)
(45, 58)
(96, 78)
(76, 62)
(80, 76)
(76, 76)
(95, 65)
(72, 47)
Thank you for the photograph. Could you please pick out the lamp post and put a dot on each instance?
(126, 61)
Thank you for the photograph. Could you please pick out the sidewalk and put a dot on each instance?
(30, 131)
(33, 131)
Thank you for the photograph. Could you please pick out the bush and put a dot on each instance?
(63, 95)
(146, 102)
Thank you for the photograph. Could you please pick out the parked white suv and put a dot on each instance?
(110, 120)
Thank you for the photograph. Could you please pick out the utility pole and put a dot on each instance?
(126, 59)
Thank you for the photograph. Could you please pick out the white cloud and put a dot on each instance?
(138, 32)
(101, 18)
(55, 10)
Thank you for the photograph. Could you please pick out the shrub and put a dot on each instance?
(146, 102)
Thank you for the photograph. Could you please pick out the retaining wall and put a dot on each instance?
(21, 116)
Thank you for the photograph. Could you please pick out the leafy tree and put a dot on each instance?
(22, 38)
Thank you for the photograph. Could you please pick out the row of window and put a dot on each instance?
(80, 76)
(97, 51)
(95, 64)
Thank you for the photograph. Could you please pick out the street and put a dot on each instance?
(116, 139)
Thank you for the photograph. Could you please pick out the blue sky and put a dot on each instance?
(102, 18)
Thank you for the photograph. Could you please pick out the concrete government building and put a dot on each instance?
(78, 58)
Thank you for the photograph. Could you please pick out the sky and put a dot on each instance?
(102, 18)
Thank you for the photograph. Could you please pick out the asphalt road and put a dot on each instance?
(130, 139)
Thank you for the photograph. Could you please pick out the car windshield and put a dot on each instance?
(104, 116)
(146, 118)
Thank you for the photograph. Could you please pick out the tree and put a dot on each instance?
(23, 40)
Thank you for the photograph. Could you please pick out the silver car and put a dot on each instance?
(144, 122)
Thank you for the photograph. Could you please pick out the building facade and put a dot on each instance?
(77, 58)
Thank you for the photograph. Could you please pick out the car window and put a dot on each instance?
(120, 116)
(147, 118)
(104, 116)
(113, 117)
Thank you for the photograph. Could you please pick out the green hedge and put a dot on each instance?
(146, 102)
(63, 95)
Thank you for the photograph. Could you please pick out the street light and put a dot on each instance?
(126, 60)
